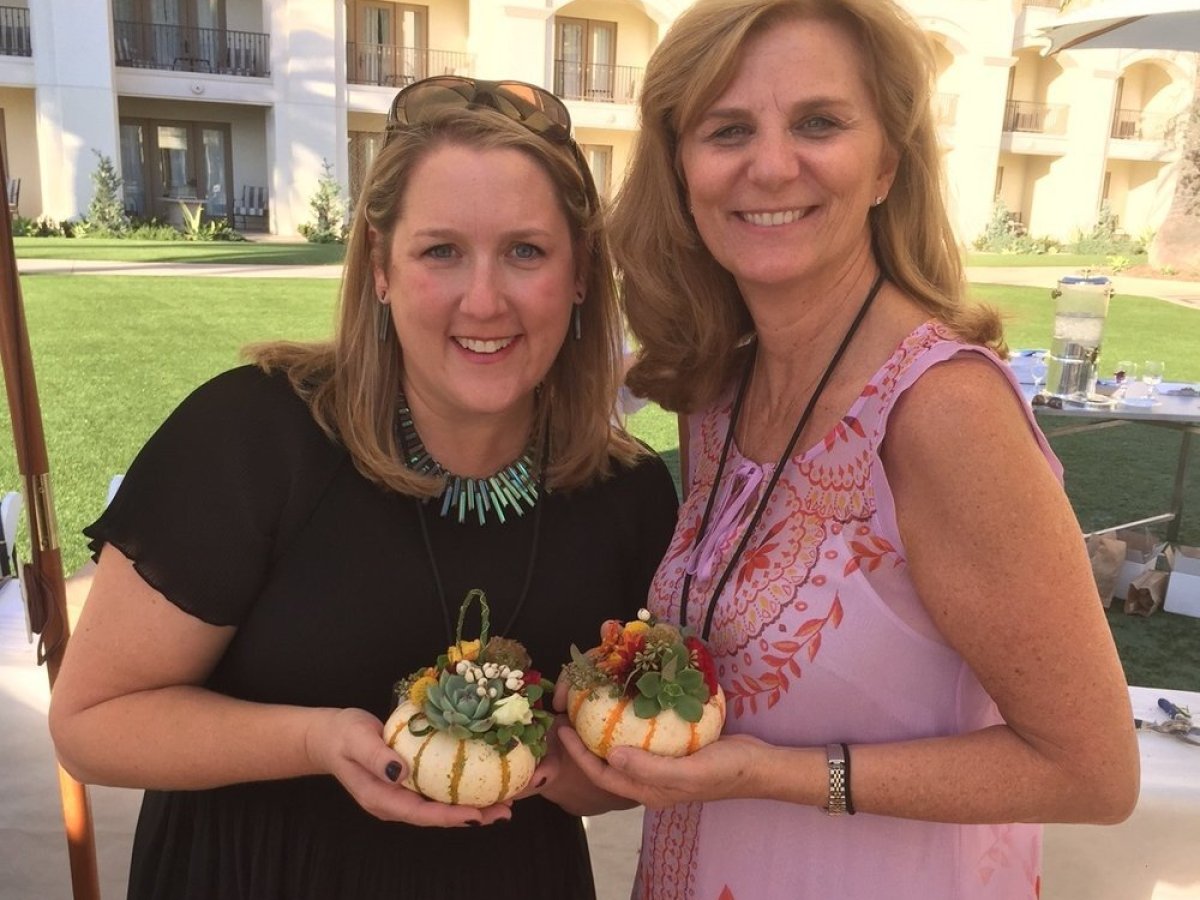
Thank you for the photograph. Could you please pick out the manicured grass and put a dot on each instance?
(241, 253)
(114, 355)
(1137, 328)
(1077, 260)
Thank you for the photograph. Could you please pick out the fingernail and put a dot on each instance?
(539, 783)
(393, 771)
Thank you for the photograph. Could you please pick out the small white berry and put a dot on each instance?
(491, 692)
(462, 667)
(643, 615)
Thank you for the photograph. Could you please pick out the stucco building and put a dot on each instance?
(202, 101)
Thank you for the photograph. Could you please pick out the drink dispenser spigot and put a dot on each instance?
(1080, 308)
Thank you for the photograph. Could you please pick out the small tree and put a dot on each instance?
(328, 208)
(106, 212)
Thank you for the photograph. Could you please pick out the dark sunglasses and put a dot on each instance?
(534, 107)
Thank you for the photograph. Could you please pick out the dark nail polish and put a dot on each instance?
(393, 771)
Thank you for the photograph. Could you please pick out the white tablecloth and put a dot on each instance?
(1155, 853)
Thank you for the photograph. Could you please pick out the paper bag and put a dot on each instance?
(1146, 594)
(1107, 555)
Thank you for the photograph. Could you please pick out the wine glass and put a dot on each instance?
(1037, 371)
(1124, 374)
(1152, 375)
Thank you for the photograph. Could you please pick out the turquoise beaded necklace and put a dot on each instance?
(513, 489)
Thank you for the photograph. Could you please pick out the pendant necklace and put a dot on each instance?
(508, 489)
(784, 457)
(532, 486)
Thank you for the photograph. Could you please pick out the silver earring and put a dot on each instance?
(383, 319)
(577, 321)
(878, 200)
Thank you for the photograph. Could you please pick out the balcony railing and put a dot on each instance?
(1050, 4)
(945, 109)
(391, 66)
(596, 81)
(1036, 118)
(14, 31)
(144, 45)
(1135, 125)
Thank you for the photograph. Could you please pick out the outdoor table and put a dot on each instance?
(1174, 411)
(1152, 855)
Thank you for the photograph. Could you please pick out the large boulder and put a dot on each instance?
(1177, 244)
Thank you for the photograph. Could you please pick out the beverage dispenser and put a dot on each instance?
(1080, 308)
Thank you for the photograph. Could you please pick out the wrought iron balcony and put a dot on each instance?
(596, 81)
(144, 45)
(391, 66)
(14, 31)
(1035, 118)
(1136, 125)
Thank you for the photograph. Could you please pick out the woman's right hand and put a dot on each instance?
(349, 745)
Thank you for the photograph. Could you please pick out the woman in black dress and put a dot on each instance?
(298, 534)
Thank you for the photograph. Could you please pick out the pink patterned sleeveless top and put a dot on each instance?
(819, 637)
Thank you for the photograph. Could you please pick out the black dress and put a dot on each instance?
(241, 512)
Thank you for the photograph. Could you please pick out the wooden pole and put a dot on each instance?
(42, 576)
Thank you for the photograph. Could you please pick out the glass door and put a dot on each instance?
(412, 51)
(215, 171)
(602, 53)
(569, 57)
(376, 43)
(133, 168)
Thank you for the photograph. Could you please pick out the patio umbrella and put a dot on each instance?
(42, 577)
(1128, 24)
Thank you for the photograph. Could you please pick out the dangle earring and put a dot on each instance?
(383, 318)
(577, 319)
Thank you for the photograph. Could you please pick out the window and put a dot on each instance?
(999, 182)
(585, 54)
(599, 160)
(390, 43)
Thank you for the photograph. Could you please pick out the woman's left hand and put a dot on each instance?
(560, 780)
(724, 769)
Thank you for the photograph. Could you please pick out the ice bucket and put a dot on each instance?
(1080, 308)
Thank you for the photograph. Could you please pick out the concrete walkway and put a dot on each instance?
(1182, 293)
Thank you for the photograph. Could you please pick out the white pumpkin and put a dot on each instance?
(604, 721)
(444, 768)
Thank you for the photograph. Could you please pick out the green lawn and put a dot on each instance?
(115, 354)
(241, 253)
(1075, 260)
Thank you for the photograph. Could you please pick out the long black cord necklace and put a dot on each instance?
(787, 453)
(538, 501)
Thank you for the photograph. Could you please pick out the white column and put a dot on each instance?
(512, 40)
(308, 121)
(75, 103)
(1069, 197)
(971, 165)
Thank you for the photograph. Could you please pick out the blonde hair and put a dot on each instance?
(681, 304)
(351, 382)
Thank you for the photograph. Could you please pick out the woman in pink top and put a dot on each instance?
(874, 537)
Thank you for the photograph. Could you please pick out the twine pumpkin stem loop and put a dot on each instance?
(483, 616)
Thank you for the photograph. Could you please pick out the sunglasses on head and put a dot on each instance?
(534, 107)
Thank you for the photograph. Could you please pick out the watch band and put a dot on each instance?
(836, 754)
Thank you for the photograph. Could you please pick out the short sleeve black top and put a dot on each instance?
(242, 512)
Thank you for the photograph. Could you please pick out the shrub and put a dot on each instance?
(106, 213)
(1003, 233)
(329, 209)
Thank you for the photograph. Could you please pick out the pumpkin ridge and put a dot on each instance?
(693, 738)
(504, 776)
(416, 763)
(456, 771)
(610, 726)
(581, 698)
(649, 738)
